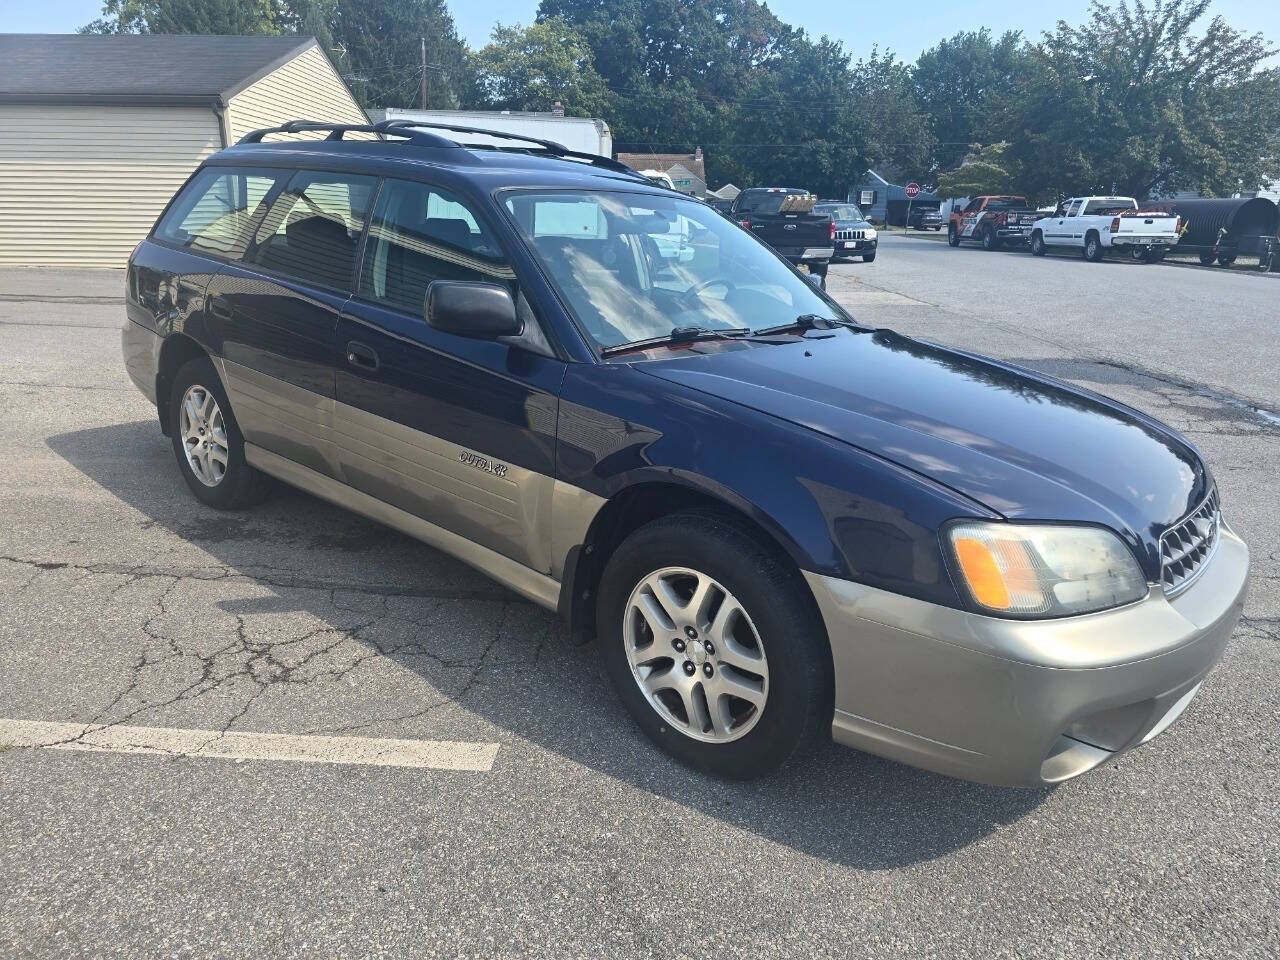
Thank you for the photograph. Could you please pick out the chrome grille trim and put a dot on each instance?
(1188, 544)
(850, 234)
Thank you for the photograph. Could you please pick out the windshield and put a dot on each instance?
(634, 266)
(1006, 203)
(843, 211)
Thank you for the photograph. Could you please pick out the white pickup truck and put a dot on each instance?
(1094, 225)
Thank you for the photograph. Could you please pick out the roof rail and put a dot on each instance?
(416, 131)
(550, 146)
(337, 130)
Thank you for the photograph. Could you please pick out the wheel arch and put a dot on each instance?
(177, 349)
(642, 502)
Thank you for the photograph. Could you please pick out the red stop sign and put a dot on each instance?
(913, 190)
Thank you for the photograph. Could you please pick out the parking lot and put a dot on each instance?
(447, 776)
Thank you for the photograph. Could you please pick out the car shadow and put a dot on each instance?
(840, 805)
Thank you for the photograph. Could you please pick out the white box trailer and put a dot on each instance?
(584, 134)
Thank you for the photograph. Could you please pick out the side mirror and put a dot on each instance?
(470, 308)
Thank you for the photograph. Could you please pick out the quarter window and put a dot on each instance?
(217, 211)
(420, 233)
(313, 228)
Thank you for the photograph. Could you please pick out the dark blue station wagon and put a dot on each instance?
(779, 525)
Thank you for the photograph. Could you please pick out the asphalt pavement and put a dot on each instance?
(442, 774)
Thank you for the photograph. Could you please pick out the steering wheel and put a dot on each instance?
(696, 290)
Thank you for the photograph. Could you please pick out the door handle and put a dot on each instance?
(219, 307)
(358, 355)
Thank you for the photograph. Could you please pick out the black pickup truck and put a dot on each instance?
(783, 217)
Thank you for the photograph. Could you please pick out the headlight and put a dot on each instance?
(1044, 570)
(870, 234)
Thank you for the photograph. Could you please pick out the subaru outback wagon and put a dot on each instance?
(778, 525)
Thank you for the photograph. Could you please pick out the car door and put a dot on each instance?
(457, 431)
(1058, 232)
(969, 218)
(277, 308)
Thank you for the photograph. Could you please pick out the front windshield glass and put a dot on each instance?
(844, 211)
(635, 266)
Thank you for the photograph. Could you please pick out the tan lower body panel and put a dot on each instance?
(527, 582)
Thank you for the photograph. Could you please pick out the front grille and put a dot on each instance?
(1186, 545)
(850, 234)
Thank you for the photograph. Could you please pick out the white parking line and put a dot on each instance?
(169, 742)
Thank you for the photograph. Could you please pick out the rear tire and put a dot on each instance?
(208, 443)
(990, 241)
(1206, 259)
(772, 646)
(1226, 261)
(953, 238)
(1037, 244)
(1093, 250)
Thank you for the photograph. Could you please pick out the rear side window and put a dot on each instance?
(217, 210)
(312, 230)
(420, 233)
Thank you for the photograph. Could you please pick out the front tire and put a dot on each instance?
(953, 238)
(208, 443)
(868, 258)
(1037, 244)
(713, 643)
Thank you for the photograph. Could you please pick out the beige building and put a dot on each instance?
(98, 132)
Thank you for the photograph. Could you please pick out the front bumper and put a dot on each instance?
(1014, 234)
(1022, 703)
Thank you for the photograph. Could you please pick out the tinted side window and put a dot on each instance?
(313, 228)
(216, 212)
(421, 233)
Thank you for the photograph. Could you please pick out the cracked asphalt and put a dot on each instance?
(124, 601)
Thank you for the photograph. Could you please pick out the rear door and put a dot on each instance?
(457, 431)
(277, 308)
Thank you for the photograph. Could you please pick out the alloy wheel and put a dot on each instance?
(204, 435)
(696, 655)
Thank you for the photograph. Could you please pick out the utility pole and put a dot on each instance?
(424, 73)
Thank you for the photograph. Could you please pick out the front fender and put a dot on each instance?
(836, 510)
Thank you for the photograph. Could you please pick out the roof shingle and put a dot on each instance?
(45, 67)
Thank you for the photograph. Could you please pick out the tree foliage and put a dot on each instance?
(985, 170)
(186, 16)
(536, 67)
(963, 85)
(1146, 96)
(1138, 101)
(376, 44)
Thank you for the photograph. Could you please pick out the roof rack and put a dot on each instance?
(337, 130)
(550, 146)
(416, 131)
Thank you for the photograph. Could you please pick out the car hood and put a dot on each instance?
(1026, 446)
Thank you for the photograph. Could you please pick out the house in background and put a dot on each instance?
(885, 202)
(98, 132)
(687, 171)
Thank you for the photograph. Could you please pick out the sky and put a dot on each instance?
(858, 25)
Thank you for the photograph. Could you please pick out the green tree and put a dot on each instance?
(896, 132)
(534, 67)
(985, 170)
(1138, 100)
(962, 85)
(186, 16)
(381, 43)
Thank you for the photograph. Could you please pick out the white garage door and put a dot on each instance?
(80, 186)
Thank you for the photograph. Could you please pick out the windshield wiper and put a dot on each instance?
(678, 335)
(806, 321)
